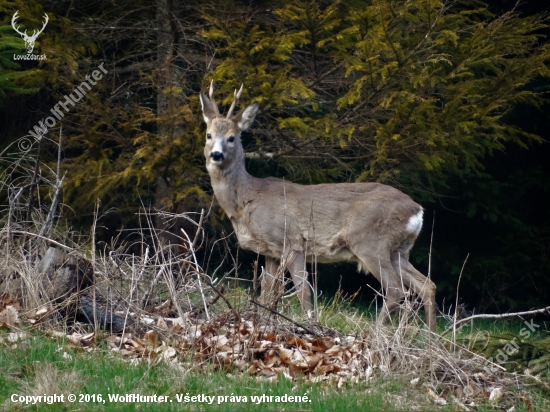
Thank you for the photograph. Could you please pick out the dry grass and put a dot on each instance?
(48, 380)
(172, 310)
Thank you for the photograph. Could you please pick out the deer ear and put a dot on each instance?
(245, 119)
(209, 110)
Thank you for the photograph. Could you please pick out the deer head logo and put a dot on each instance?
(29, 40)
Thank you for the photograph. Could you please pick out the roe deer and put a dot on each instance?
(372, 224)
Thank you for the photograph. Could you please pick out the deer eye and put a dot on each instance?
(208, 136)
(231, 139)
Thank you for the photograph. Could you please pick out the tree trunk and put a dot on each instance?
(165, 102)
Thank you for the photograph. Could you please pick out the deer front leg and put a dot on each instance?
(299, 276)
(272, 283)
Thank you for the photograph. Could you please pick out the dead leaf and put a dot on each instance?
(219, 341)
(246, 327)
(336, 350)
(313, 359)
(321, 344)
(370, 371)
(285, 355)
(9, 317)
(41, 312)
(325, 369)
(255, 367)
(437, 399)
(6, 300)
(460, 404)
(151, 355)
(295, 370)
(151, 339)
(267, 372)
(295, 341)
(137, 343)
(147, 320)
(495, 396)
(164, 308)
(271, 358)
(77, 339)
(161, 323)
(15, 336)
(270, 337)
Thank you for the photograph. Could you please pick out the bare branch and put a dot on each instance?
(497, 316)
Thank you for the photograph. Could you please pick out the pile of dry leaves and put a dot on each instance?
(272, 351)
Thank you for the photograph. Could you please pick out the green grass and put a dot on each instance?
(29, 363)
(39, 359)
(37, 365)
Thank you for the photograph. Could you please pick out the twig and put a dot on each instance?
(127, 312)
(111, 254)
(497, 316)
(143, 267)
(35, 178)
(199, 227)
(321, 77)
(457, 295)
(429, 278)
(12, 206)
(271, 155)
(58, 184)
(24, 232)
(493, 364)
(94, 302)
(51, 212)
(286, 317)
(25, 187)
(145, 297)
(59, 146)
(198, 271)
(255, 278)
(430, 253)
(215, 289)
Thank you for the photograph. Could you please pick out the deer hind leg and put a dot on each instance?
(420, 284)
(299, 276)
(272, 282)
(393, 297)
(381, 268)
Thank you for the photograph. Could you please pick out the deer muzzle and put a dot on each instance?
(217, 157)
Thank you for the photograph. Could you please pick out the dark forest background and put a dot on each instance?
(447, 101)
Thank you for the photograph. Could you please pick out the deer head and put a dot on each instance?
(223, 134)
(29, 40)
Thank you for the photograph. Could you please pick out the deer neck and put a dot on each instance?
(231, 185)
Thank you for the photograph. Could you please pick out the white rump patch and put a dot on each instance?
(415, 223)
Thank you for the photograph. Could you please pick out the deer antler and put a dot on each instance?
(13, 19)
(211, 96)
(35, 32)
(236, 97)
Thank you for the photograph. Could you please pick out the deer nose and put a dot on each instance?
(217, 156)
